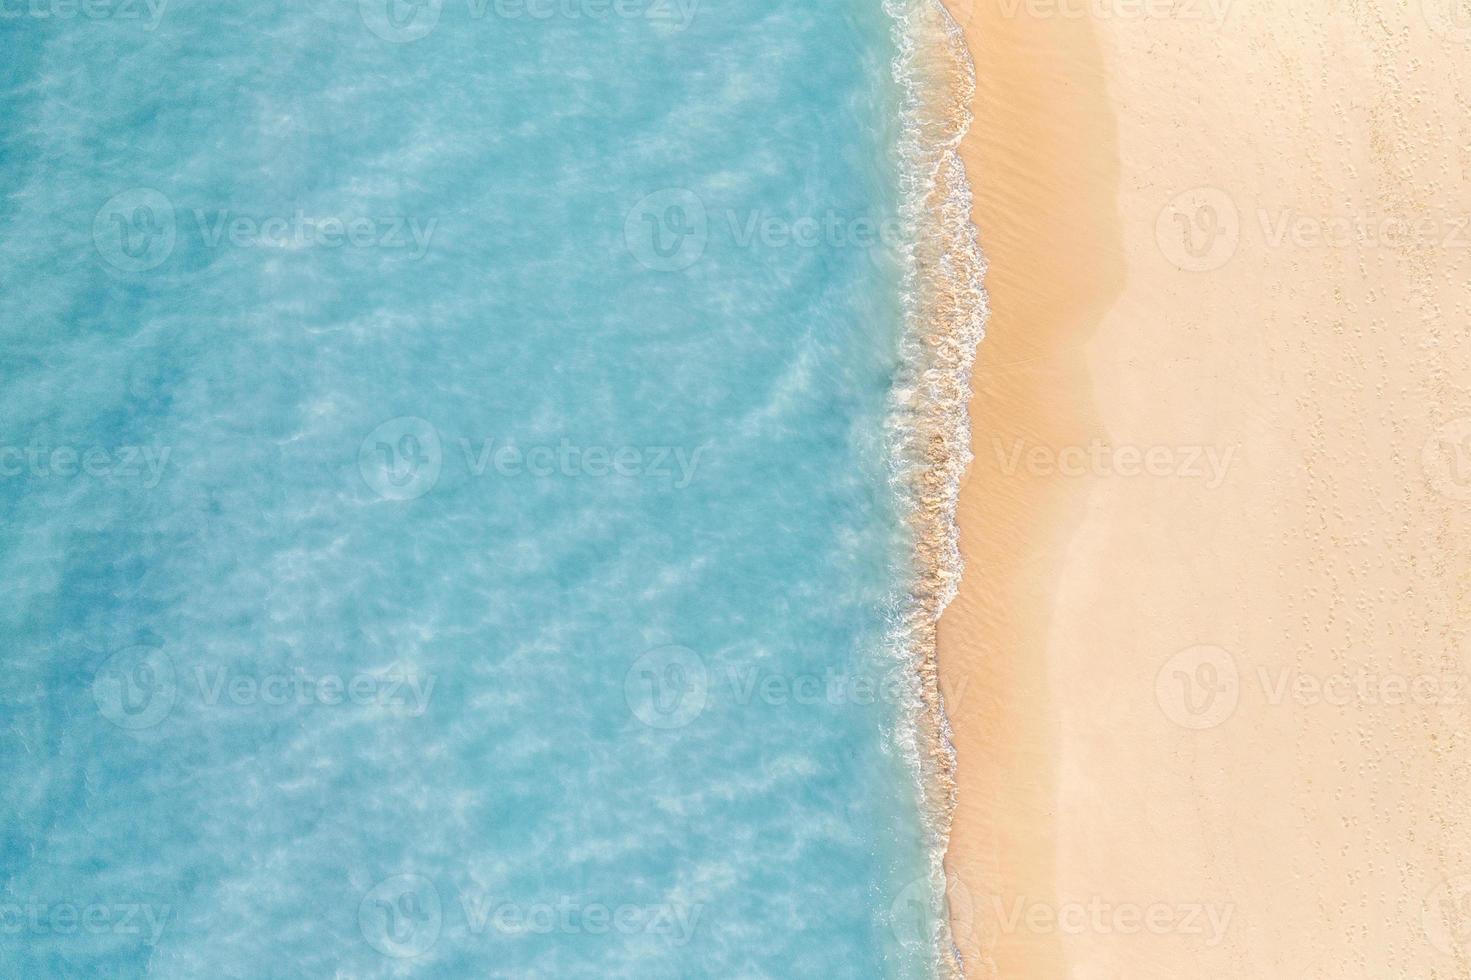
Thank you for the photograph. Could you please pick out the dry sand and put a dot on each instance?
(1213, 626)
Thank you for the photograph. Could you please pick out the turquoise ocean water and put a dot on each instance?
(450, 518)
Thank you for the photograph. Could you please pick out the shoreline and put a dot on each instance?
(1119, 166)
(946, 312)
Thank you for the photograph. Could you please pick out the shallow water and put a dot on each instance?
(448, 516)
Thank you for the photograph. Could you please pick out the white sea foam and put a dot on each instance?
(945, 310)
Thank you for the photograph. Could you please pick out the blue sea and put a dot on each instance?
(455, 511)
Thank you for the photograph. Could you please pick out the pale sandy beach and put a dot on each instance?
(1213, 625)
